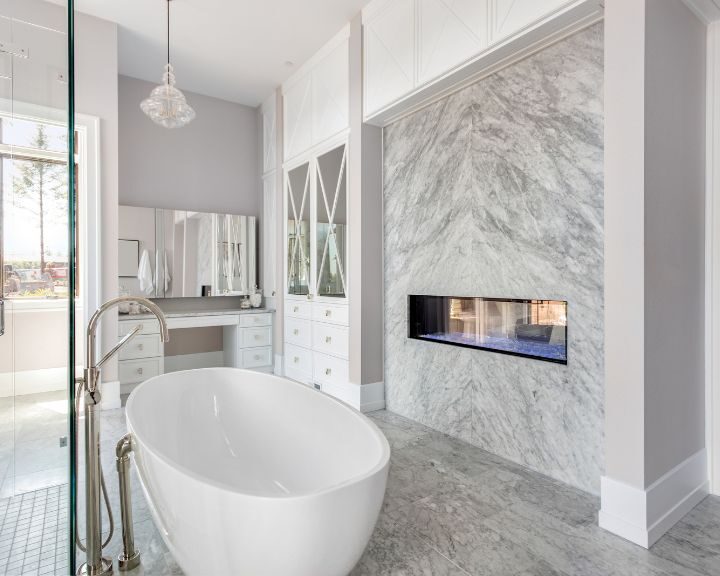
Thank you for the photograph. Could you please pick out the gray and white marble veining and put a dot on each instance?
(497, 190)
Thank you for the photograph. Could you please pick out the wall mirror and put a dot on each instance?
(191, 254)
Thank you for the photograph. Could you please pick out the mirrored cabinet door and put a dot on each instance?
(331, 226)
(297, 185)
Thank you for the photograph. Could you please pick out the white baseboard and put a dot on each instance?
(643, 516)
(33, 381)
(372, 397)
(279, 365)
(111, 395)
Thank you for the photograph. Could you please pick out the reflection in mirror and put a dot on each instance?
(193, 253)
(332, 222)
(298, 229)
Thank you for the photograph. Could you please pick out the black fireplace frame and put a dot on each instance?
(413, 334)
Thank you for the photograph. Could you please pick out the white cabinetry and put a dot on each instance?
(508, 17)
(144, 356)
(268, 235)
(316, 99)
(416, 50)
(316, 307)
(268, 111)
(449, 33)
(249, 343)
(389, 40)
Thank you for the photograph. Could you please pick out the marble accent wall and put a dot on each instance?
(497, 190)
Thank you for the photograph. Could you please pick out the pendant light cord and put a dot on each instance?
(168, 31)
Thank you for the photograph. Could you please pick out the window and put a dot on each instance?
(34, 190)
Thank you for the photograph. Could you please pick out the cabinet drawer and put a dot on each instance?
(256, 337)
(298, 332)
(298, 309)
(133, 371)
(331, 313)
(148, 326)
(257, 357)
(298, 359)
(142, 347)
(329, 369)
(330, 339)
(250, 320)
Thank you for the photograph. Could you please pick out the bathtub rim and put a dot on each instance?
(382, 463)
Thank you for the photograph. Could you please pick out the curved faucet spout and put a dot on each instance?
(91, 364)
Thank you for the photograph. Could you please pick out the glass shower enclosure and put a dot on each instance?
(37, 288)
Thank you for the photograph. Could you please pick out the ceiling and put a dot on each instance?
(237, 50)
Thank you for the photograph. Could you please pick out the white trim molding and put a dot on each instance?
(643, 516)
(279, 365)
(712, 259)
(372, 397)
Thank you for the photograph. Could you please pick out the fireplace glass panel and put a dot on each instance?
(530, 328)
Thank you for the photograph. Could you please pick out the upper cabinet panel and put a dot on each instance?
(331, 94)
(317, 98)
(510, 16)
(449, 33)
(389, 36)
(298, 117)
(269, 128)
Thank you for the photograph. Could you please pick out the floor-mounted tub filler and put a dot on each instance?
(248, 473)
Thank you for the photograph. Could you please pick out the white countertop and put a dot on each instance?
(197, 313)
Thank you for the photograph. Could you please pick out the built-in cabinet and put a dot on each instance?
(315, 99)
(247, 342)
(316, 307)
(415, 49)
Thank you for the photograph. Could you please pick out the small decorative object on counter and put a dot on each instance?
(245, 304)
(256, 298)
(124, 307)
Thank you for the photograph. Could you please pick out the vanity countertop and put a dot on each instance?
(197, 313)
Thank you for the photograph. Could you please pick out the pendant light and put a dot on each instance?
(166, 105)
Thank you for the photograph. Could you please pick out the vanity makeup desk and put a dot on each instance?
(247, 341)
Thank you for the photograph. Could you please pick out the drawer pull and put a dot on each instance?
(328, 313)
(296, 332)
(258, 336)
(141, 346)
(328, 339)
(140, 371)
(328, 371)
(296, 309)
(296, 359)
(257, 356)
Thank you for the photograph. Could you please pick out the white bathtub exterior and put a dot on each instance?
(252, 474)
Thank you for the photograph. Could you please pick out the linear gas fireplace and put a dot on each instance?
(529, 328)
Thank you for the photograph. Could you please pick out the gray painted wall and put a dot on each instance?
(210, 165)
(675, 48)
(497, 190)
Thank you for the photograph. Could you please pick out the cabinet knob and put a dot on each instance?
(258, 336)
(328, 339)
(257, 356)
(328, 313)
(328, 371)
(296, 309)
(296, 359)
(296, 332)
(141, 346)
(140, 371)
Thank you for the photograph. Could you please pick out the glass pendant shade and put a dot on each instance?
(166, 105)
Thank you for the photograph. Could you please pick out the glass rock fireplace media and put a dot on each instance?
(529, 328)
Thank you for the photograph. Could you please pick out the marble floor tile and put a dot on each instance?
(452, 509)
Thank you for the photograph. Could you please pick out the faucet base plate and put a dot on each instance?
(126, 563)
(105, 569)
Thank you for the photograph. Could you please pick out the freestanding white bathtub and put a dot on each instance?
(250, 474)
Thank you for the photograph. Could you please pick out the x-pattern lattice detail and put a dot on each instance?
(297, 218)
(330, 211)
